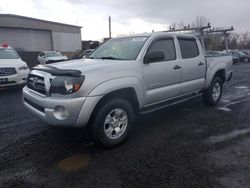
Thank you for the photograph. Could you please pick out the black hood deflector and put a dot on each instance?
(58, 72)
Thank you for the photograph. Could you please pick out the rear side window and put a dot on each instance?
(165, 45)
(189, 48)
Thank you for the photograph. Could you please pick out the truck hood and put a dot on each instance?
(11, 62)
(90, 65)
(98, 71)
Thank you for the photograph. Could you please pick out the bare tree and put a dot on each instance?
(234, 40)
(200, 21)
(181, 24)
(178, 25)
(244, 39)
(173, 26)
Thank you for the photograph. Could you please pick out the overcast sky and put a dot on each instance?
(131, 16)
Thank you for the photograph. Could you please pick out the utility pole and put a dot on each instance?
(109, 27)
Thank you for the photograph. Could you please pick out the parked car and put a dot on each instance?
(13, 70)
(47, 57)
(242, 56)
(247, 54)
(124, 77)
(212, 53)
(85, 54)
(236, 58)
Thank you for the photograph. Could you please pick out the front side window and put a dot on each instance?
(126, 48)
(166, 46)
(8, 54)
(189, 48)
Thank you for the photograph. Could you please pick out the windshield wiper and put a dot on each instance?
(110, 57)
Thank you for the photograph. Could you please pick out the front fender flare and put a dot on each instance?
(120, 83)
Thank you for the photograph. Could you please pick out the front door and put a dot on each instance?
(162, 78)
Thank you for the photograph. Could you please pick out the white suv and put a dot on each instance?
(13, 71)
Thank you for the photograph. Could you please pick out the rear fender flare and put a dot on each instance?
(211, 74)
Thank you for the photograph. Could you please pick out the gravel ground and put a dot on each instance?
(188, 145)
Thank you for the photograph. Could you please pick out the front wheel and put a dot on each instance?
(112, 123)
(212, 95)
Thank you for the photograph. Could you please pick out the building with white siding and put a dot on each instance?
(34, 35)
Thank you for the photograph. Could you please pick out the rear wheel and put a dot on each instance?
(213, 94)
(112, 123)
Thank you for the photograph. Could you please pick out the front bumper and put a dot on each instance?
(16, 79)
(69, 112)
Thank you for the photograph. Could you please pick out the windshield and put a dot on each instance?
(126, 48)
(8, 54)
(53, 54)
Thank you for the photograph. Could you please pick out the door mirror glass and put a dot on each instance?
(154, 56)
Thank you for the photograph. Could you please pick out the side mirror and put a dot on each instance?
(154, 56)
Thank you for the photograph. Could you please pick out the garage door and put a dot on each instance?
(26, 39)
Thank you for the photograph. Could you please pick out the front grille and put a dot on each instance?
(7, 82)
(7, 71)
(36, 83)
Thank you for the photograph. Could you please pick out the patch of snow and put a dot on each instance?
(231, 135)
(241, 87)
(224, 109)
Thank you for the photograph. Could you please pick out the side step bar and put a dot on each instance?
(168, 103)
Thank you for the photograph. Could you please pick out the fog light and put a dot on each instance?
(61, 113)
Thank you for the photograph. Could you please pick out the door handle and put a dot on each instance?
(176, 67)
(200, 64)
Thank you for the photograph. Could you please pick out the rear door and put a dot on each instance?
(162, 78)
(193, 64)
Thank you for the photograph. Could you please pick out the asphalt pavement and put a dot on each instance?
(188, 145)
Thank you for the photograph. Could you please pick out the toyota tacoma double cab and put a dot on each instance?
(124, 77)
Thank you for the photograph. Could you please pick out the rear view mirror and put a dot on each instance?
(154, 56)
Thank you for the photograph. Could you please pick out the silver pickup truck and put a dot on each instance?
(124, 77)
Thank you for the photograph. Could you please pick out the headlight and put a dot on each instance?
(66, 85)
(24, 67)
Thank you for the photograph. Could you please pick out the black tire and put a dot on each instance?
(208, 93)
(102, 113)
